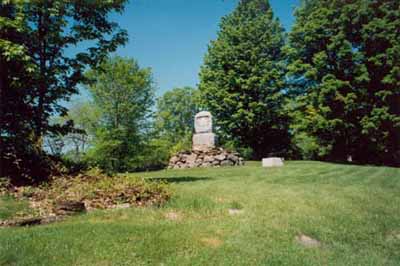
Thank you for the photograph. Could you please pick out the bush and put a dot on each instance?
(185, 144)
(308, 147)
(245, 152)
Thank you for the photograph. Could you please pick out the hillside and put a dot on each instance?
(306, 213)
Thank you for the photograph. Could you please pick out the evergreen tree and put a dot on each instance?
(242, 79)
(345, 62)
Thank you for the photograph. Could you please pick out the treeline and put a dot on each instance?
(327, 90)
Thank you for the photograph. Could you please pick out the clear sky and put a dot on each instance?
(171, 36)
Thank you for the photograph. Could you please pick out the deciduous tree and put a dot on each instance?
(345, 62)
(175, 113)
(124, 93)
(45, 47)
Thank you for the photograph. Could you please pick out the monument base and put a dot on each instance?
(215, 157)
(203, 141)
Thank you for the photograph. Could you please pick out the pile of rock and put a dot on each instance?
(205, 158)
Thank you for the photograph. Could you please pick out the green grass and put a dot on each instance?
(354, 211)
(9, 207)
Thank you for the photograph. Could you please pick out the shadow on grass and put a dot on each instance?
(181, 179)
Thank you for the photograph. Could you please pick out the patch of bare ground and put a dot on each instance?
(307, 241)
(235, 211)
(173, 216)
(220, 200)
(393, 236)
(211, 242)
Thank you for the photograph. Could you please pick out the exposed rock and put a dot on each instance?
(174, 159)
(226, 163)
(66, 207)
(220, 157)
(215, 163)
(208, 159)
(213, 157)
(232, 157)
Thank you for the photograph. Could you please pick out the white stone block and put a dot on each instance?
(203, 122)
(272, 162)
(203, 141)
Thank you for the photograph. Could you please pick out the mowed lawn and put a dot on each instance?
(354, 211)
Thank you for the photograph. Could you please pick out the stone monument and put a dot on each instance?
(203, 138)
(204, 152)
(272, 162)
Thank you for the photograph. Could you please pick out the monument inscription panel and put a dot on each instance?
(203, 122)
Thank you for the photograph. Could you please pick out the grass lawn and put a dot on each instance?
(354, 211)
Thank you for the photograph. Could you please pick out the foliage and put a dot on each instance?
(73, 146)
(245, 152)
(124, 93)
(242, 79)
(175, 113)
(85, 116)
(38, 72)
(345, 65)
(173, 125)
(185, 144)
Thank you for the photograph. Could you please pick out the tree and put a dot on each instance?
(344, 61)
(124, 93)
(38, 69)
(175, 113)
(242, 79)
(85, 116)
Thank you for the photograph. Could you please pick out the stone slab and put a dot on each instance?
(203, 122)
(272, 162)
(203, 141)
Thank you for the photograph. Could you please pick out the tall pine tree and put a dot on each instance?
(345, 59)
(242, 79)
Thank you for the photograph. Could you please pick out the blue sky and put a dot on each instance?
(171, 36)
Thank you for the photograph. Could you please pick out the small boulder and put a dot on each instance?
(226, 163)
(232, 157)
(208, 159)
(174, 159)
(220, 157)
